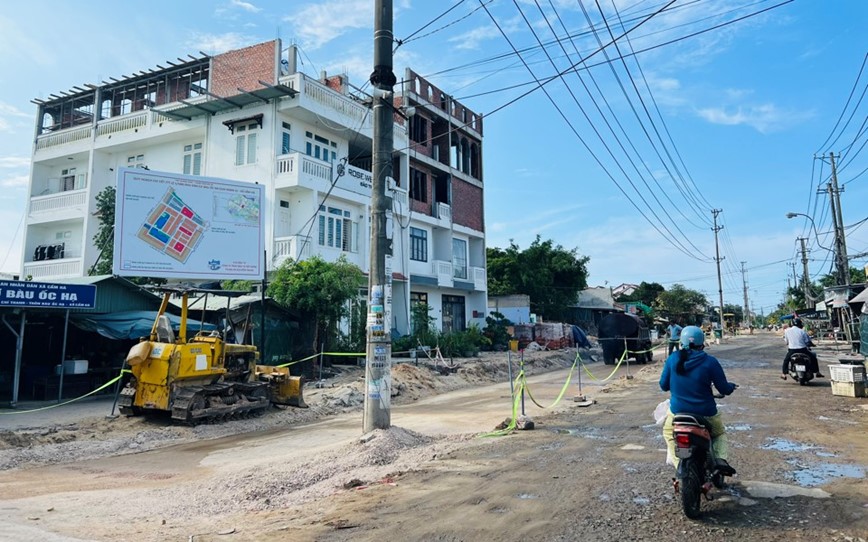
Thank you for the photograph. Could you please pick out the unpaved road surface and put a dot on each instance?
(593, 473)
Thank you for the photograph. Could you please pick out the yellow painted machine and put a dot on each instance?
(203, 378)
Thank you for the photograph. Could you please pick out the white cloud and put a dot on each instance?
(219, 43)
(15, 181)
(763, 118)
(246, 6)
(473, 38)
(14, 162)
(318, 24)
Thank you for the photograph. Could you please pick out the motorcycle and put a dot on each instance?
(698, 471)
(800, 368)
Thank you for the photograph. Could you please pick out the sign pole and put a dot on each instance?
(19, 347)
(63, 357)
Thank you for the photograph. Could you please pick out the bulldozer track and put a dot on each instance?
(196, 404)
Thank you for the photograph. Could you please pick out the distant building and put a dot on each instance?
(515, 308)
(624, 289)
(591, 306)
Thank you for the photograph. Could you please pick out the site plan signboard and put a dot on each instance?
(21, 293)
(169, 225)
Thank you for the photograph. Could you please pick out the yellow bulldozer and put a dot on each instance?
(203, 378)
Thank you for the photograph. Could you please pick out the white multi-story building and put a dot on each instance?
(249, 115)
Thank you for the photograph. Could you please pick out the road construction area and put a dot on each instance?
(590, 473)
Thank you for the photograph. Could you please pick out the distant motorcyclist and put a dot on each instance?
(688, 375)
(798, 342)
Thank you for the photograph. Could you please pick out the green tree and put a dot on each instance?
(237, 285)
(550, 274)
(646, 293)
(320, 290)
(105, 233)
(682, 304)
(104, 239)
(857, 276)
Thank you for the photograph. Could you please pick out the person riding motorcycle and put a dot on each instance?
(688, 375)
(798, 341)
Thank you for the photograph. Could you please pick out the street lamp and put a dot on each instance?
(813, 226)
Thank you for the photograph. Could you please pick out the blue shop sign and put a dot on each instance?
(17, 293)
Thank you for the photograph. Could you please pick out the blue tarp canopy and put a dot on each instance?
(130, 324)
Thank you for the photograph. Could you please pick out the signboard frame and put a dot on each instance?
(167, 226)
(25, 294)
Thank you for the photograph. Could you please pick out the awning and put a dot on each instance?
(129, 324)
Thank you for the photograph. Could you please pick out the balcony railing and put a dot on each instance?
(61, 201)
(50, 269)
(63, 137)
(443, 272)
(296, 247)
(337, 102)
(479, 279)
(139, 119)
(444, 212)
(296, 168)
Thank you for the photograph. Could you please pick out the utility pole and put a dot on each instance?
(378, 366)
(744, 284)
(718, 259)
(795, 277)
(806, 284)
(840, 241)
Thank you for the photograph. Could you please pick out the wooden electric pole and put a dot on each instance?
(378, 366)
(744, 285)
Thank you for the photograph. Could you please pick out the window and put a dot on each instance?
(285, 134)
(70, 180)
(193, 159)
(320, 147)
(136, 161)
(418, 185)
(459, 258)
(245, 143)
(337, 229)
(418, 244)
(419, 130)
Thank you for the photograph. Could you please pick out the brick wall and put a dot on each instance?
(244, 68)
(467, 205)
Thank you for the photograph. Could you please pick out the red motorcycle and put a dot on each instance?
(698, 470)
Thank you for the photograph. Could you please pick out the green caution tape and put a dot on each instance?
(104, 386)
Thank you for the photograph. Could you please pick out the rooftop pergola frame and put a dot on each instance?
(80, 106)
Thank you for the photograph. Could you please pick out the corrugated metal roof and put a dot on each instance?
(218, 303)
(116, 294)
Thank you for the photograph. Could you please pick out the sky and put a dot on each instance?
(614, 128)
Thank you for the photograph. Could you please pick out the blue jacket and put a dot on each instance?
(691, 392)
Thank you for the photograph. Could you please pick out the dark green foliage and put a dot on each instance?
(105, 233)
(495, 330)
(319, 290)
(551, 275)
(682, 304)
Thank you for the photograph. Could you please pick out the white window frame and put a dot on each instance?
(285, 138)
(337, 229)
(245, 143)
(459, 262)
(192, 153)
(319, 147)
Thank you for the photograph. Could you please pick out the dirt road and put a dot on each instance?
(593, 474)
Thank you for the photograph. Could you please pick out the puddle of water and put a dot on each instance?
(739, 427)
(784, 445)
(819, 474)
(527, 496)
(642, 500)
(768, 490)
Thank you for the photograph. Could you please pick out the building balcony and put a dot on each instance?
(53, 269)
(295, 247)
(66, 137)
(58, 206)
(443, 271)
(297, 170)
(320, 100)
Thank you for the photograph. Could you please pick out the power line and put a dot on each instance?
(844, 110)
(671, 239)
